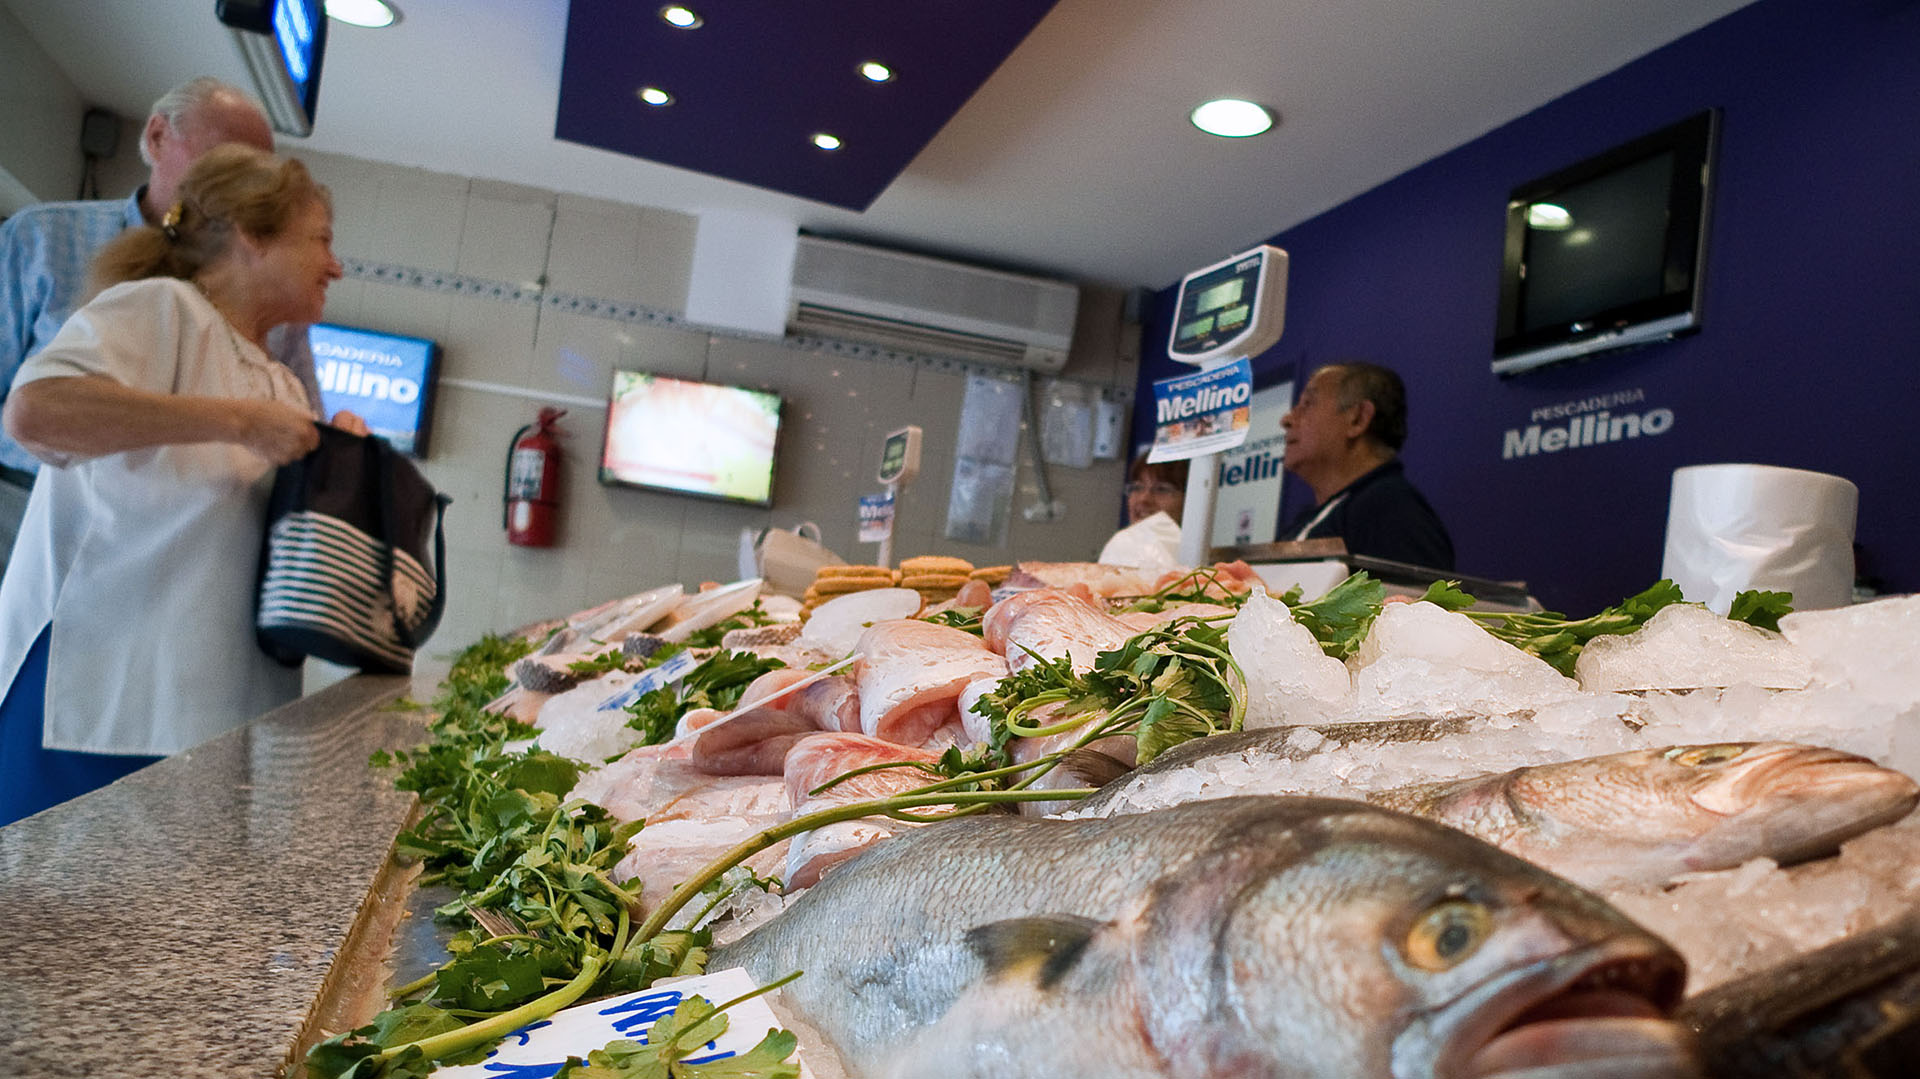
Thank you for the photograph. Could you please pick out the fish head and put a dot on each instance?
(1385, 945)
(1716, 805)
(1804, 800)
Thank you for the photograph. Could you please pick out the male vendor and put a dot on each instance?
(1344, 434)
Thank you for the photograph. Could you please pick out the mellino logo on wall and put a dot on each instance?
(1591, 421)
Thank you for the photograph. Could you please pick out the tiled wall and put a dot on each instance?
(537, 297)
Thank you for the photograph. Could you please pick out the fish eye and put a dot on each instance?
(1447, 933)
(1696, 756)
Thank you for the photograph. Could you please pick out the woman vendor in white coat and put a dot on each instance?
(126, 612)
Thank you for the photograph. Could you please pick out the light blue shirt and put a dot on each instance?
(45, 252)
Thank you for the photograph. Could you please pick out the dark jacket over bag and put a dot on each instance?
(352, 570)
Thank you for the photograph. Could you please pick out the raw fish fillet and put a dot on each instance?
(833, 704)
(819, 759)
(1142, 621)
(910, 675)
(664, 855)
(656, 784)
(1051, 623)
(1103, 580)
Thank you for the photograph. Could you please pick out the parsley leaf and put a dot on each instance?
(1761, 608)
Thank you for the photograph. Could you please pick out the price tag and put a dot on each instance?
(539, 1050)
(677, 666)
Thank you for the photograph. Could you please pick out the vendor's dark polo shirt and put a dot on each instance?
(1381, 515)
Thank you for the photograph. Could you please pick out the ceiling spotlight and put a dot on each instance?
(682, 17)
(368, 13)
(1231, 118)
(653, 95)
(826, 141)
(874, 71)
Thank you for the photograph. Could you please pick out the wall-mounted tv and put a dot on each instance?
(1608, 253)
(691, 438)
(386, 378)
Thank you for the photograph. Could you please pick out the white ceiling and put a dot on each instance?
(1075, 158)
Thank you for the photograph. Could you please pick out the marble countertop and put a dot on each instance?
(185, 921)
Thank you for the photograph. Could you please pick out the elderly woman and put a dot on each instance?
(126, 624)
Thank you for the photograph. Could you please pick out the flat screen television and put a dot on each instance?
(386, 378)
(1608, 253)
(691, 438)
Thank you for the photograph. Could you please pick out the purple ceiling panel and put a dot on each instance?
(755, 82)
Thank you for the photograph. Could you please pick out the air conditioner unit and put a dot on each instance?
(918, 304)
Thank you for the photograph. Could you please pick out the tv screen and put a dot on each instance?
(1608, 253)
(691, 438)
(385, 378)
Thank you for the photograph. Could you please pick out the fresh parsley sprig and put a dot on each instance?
(718, 683)
(1558, 639)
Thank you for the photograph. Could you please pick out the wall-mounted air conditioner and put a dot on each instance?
(926, 305)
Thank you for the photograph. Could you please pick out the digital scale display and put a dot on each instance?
(1225, 308)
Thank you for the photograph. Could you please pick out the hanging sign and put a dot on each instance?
(876, 517)
(1204, 412)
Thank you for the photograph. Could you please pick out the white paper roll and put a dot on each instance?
(1733, 527)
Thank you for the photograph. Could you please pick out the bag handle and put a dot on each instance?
(381, 460)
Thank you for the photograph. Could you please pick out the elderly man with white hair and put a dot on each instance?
(45, 250)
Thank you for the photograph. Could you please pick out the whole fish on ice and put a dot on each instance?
(1250, 937)
(1637, 816)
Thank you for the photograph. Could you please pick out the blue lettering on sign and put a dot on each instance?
(542, 1070)
(644, 1011)
(1261, 466)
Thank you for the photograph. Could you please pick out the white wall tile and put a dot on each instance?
(662, 350)
(574, 354)
(400, 309)
(505, 239)
(663, 259)
(488, 340)
(595, 246)
(419, 219)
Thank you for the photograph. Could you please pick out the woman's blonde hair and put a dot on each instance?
(231, 188)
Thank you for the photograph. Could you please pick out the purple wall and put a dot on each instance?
(1811, 324)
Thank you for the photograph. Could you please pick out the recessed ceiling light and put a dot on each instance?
(1548, 217)
(1231, 118)
(682, 17)
(826, 141)
(874, 71)
(369, 13)
(653, 95)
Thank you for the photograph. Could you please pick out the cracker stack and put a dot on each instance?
(831, 581)
(936, 577)
(995, 576)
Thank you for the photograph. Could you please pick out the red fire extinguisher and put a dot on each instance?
(532, 499)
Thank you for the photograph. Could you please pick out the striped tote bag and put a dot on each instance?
(352, 569)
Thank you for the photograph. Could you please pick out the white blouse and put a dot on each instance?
(145, 561)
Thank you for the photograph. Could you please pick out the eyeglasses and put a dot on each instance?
(1158, 490)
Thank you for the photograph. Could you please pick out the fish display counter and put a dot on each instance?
(1419, 843)
(206, 916)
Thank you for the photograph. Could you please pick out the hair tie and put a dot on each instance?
(170, 224)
